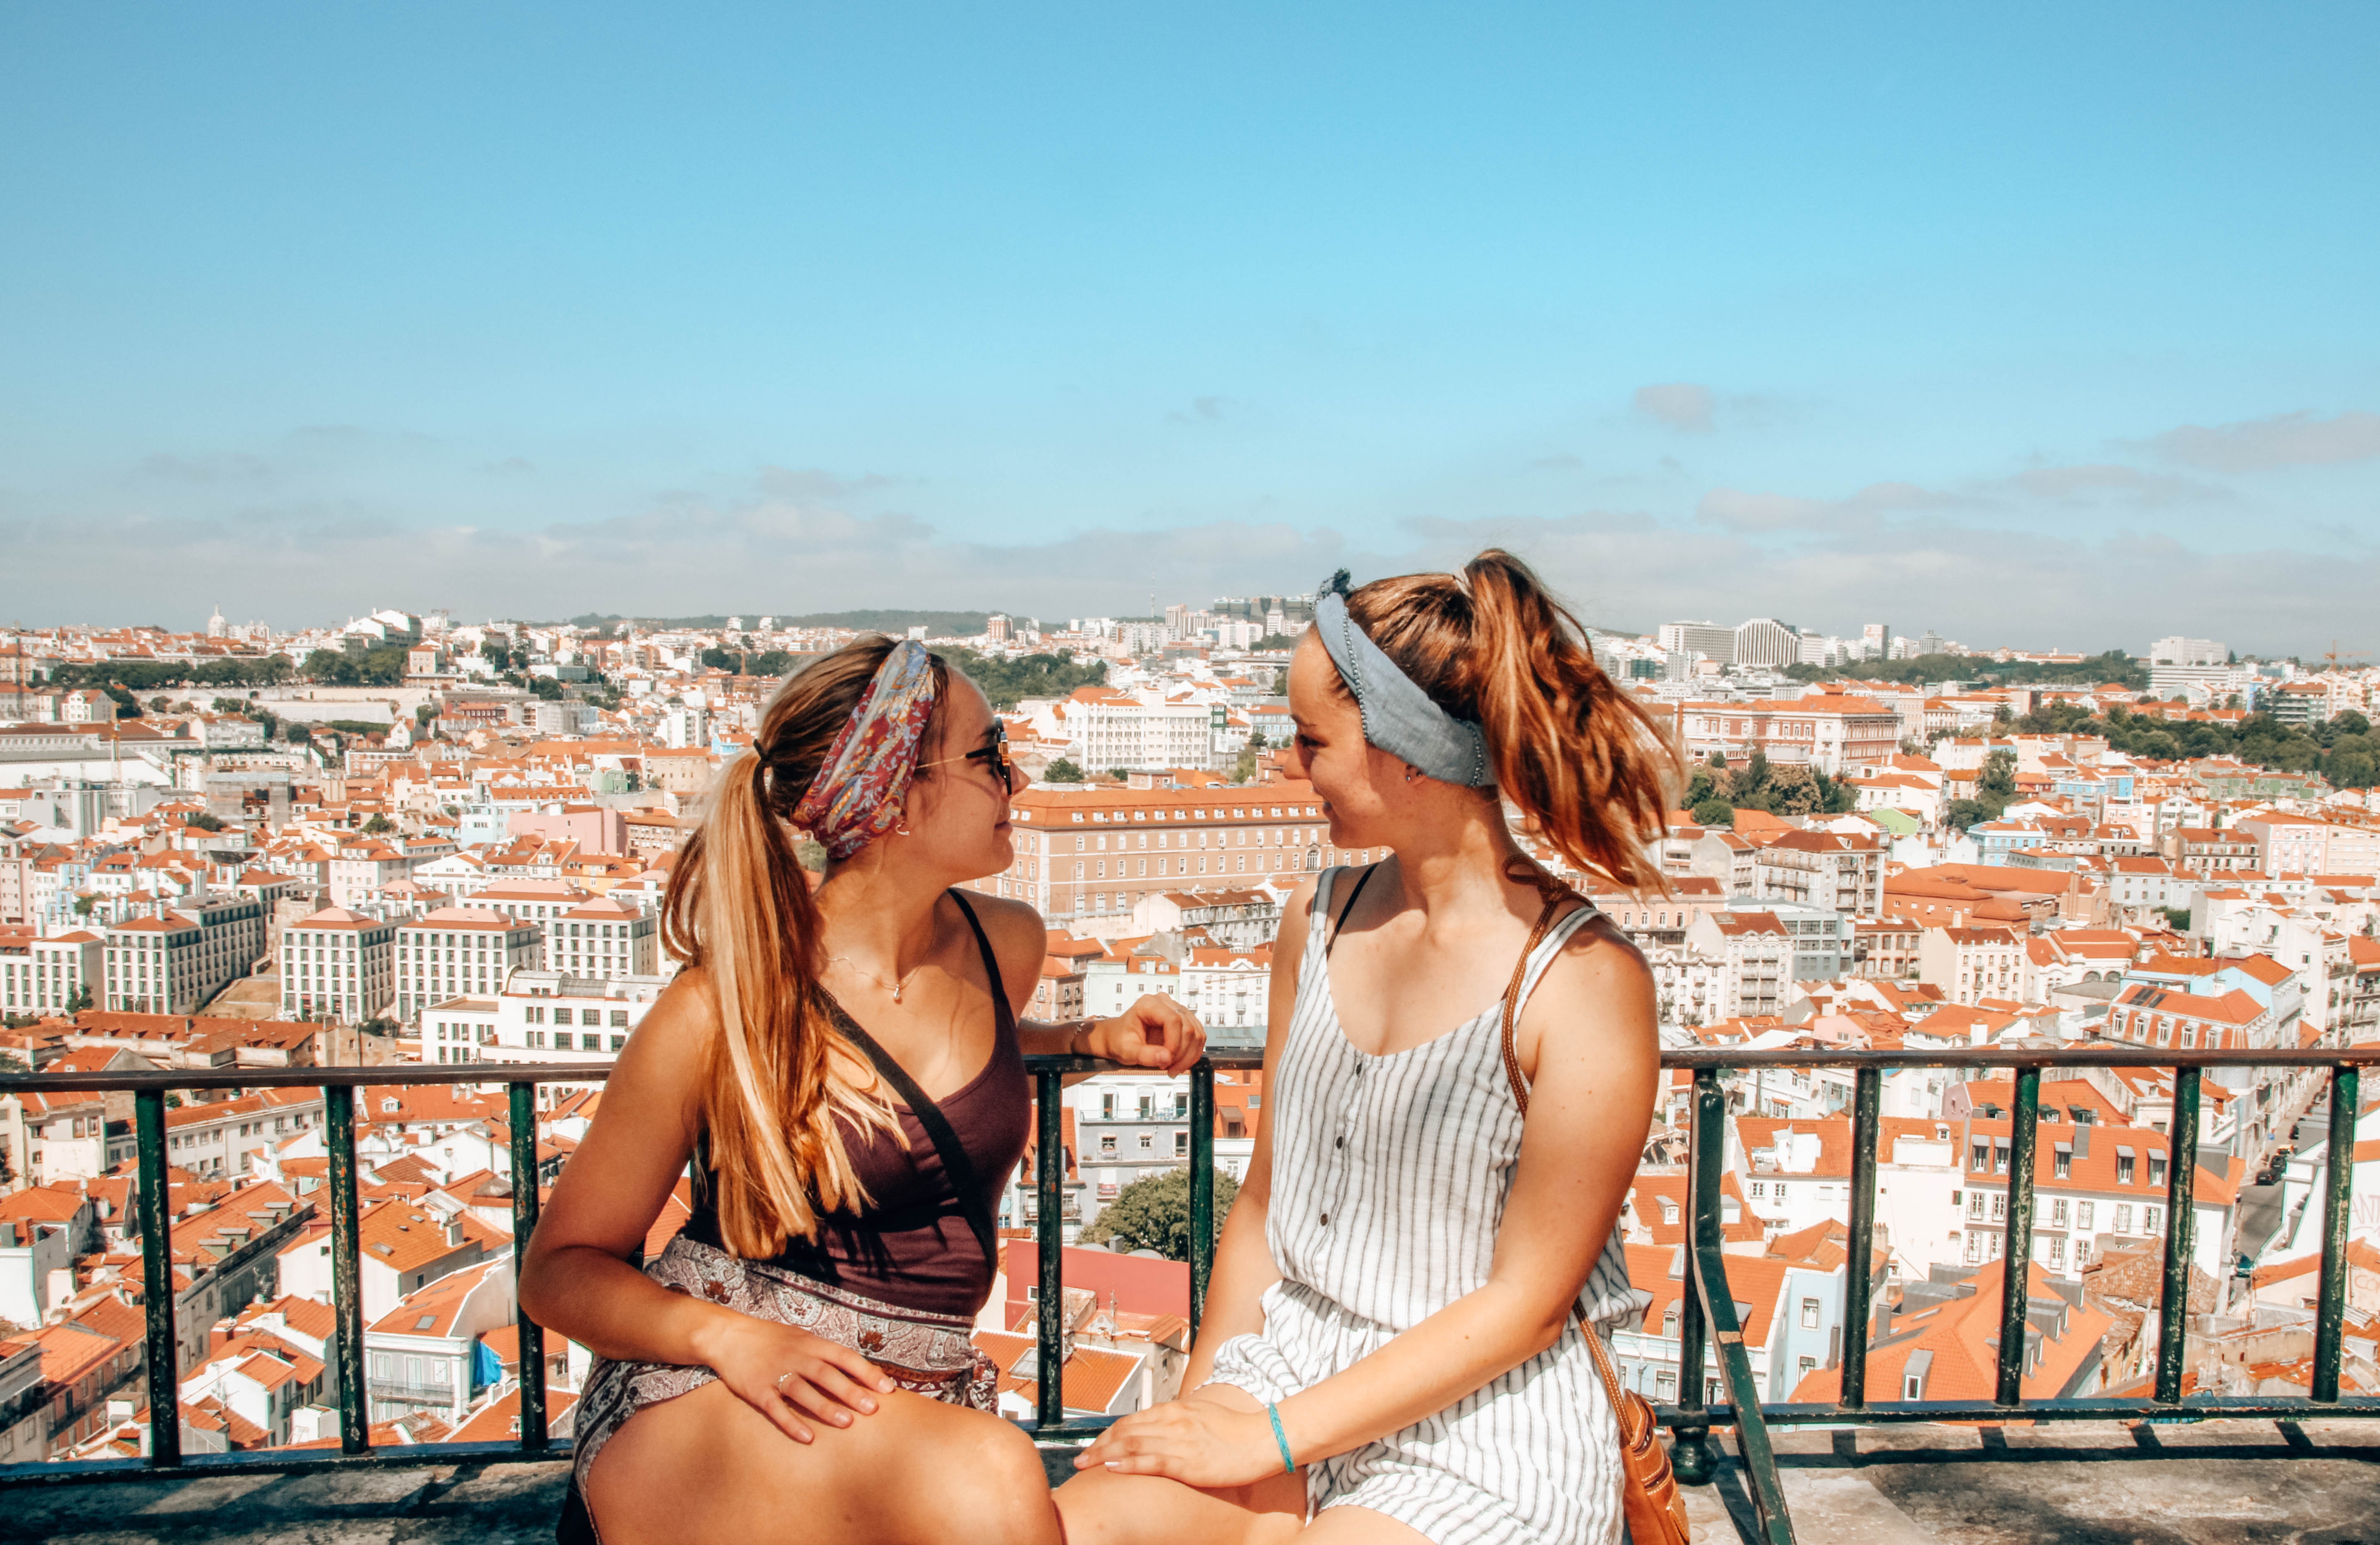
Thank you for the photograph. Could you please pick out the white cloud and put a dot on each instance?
(2283, 440)
(1678, 404)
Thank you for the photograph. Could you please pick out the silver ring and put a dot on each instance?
(779, 1385)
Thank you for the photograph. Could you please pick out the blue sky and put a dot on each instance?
(2032, 327)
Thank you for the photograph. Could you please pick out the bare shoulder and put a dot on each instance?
(1296, 913)
(1019, 938)
(1596, 994)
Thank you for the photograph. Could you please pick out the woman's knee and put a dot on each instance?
(983, 1479)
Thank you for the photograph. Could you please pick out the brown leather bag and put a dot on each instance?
(1648, 1488)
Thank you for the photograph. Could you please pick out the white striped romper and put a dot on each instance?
(1388, 1180)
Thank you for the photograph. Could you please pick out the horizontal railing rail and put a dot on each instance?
(1710, 1339)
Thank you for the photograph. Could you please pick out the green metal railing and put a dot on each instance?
(1708, 1329)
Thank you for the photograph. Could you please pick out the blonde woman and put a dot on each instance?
(1393, 1348)
(843, 1071)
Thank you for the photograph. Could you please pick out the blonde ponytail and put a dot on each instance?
(782, 1087)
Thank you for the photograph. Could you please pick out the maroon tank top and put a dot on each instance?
(913, 1246)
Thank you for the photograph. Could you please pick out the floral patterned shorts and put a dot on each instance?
(932, 1355)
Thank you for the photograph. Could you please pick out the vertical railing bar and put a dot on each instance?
(2016, 1250)
(1202, 1187)
(2338, 1184)
(523, 1113)
(2180, 1236)
(346, 1276)
(1867, 1093)
(1691, 1455)
(1049, 1331)
(162, 1350)
(1707, 1284)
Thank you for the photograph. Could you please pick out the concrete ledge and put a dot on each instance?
(2212, 1483)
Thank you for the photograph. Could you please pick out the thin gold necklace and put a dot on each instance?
(895, 988)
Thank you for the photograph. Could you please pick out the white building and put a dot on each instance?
(175, 961)
(607, 938)
(43, 974)
(338, 966)
(545, 1017)
(456, 951)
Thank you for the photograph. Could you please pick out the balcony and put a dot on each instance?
(2172, 1466)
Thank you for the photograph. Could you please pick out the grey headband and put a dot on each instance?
(1399, 717)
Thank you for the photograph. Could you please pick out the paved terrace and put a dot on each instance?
(2210, 1483)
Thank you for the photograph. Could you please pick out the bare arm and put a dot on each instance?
(576, 1277)
(1244, 1266)
(1588, 1043)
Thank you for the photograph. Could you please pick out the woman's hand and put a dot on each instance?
(1196, 1439)
(794, 1378)
(1155, 1033)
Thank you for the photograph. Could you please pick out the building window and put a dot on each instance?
(1809, 1314)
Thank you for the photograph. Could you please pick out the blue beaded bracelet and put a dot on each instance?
(1288, 1466)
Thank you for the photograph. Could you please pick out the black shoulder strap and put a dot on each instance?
(1002, 1014)
(956, 1162)
(1361, 880)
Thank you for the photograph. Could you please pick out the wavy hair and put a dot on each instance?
(782, 1087)
(1580, 757)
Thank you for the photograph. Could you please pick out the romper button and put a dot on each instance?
(1326, 1220)
(1339, 1142)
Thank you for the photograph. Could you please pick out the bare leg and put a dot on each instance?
(1102, 1507)
(707, 1469)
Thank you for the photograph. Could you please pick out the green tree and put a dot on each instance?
(1996, 785)
(328, 667)
(1009, 681)
(1154, 1214)
(83, 904)
(127, 705)
(1119, 773)
(2177, 917)
(1714, 812)
(377, 826)
(1062, 771)
(205, 821)
(80, 999)
(1964, 813)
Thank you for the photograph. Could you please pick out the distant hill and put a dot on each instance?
(961, 624)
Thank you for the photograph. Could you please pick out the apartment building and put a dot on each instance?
(456, 951)
(606, 938)
(1840, 871)
(542, 1016)
(1972, 964)
(43, 974)
(219, 1138)
(175, 961)
(337, 966)
(2096, 1187)
(423, 1357)
(1755, 958)
(1094, 852)
(1106, 728)
(1830, 731)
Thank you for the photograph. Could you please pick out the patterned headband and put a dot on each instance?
(855, 798)
(1399, 717)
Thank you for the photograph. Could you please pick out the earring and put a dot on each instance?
(1412, 772)
(901, 828)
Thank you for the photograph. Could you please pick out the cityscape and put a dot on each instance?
(411, 840)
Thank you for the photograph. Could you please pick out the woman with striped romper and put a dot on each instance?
(1391, 1350)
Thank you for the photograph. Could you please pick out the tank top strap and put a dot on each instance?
(1003, 1018)
(1550, 946)
(1318, 920)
